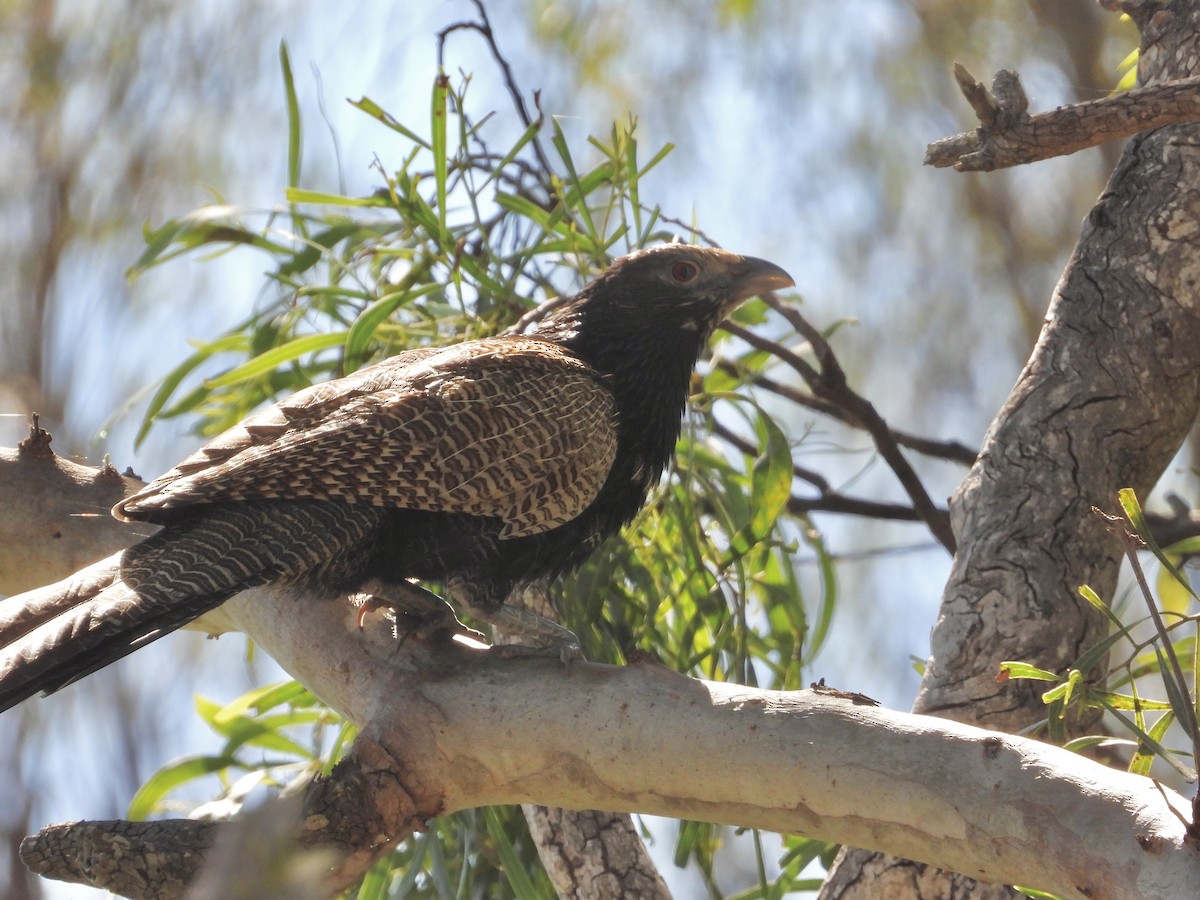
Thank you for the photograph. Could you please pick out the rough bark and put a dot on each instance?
(1009, 136)
(594, 854)
(1105, 401)
(1109, 394)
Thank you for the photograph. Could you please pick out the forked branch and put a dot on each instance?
(1009, 136)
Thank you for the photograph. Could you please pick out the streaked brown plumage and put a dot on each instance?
(486, 466)
(471, 427)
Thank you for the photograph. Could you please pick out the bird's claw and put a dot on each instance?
(433, 614)
(531, 635)
(524, 633)
(566, 651)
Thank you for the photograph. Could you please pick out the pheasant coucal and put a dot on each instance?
(486, 465)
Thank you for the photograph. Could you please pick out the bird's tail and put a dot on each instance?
(54, 635)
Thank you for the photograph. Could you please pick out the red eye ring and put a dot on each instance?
(684, 272)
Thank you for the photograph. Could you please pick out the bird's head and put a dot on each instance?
(667, 293)
(642, 325)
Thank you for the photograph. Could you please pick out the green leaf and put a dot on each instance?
(576, 198)
(1097, 655)
(1173, 595)
(406, 885)
(1133, 511)
(293, 116)
(528, 135)
(1173, 586)
(527, 209)
(1141, 761)
(175, 377)
(359, 337)
(1015, 669)
(277, 356)
(375, 883)
(1087, 742)
(829, 587)
(373, 109)
(1035, 894)
(514, 868)
(1159, 750)
(1086, 592)
(1126, 701)
(151, 794)
(1129, 69)
(441, 89)
(300, 195)
(283, 693)
(771, 484)
(655, 159)
(265, 734)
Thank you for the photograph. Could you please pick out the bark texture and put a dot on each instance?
(57, 518)
(1009, 136)
(594, 854)
(1105, 401)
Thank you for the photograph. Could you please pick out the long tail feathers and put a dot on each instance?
(54, 635)
(57, 634)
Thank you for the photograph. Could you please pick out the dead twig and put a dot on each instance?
(1009, 136)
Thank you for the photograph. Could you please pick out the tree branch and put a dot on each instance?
(1009, 136)
(1106, 399)
(952, 451)
(829, 383)
(1109, 394)
(827, 499)
(448, 726)
(438, 730)
(56, 514)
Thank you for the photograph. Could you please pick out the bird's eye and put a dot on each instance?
(683, 272)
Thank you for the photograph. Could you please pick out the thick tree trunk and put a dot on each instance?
(1105, 401)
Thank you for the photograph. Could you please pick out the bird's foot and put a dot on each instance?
(527, 634)
(566, 652)
(434, 615)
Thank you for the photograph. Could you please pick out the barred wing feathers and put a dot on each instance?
(515, 428)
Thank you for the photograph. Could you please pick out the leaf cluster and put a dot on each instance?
(1168, 658)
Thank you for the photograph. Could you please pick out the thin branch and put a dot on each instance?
(951, 451)
(484, 28)
(816, 479)
(789, 357)
(830, 384)
(828, 500)
(833, 502)
(688, 227)
(1009, 136)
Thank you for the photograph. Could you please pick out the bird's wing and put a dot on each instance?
(515, 428)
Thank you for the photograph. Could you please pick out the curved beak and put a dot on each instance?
(751, 277)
